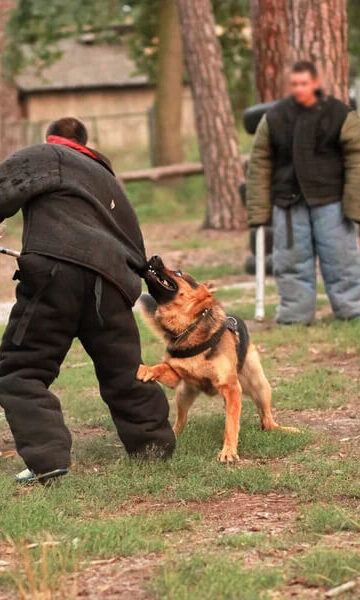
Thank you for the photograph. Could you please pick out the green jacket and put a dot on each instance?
(259, 177)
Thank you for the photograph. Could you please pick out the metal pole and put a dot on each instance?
(9, 252)
(260, 274)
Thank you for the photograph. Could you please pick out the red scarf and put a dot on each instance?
(56, 139)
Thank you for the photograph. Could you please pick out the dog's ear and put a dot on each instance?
(211, 286)
(204, 297)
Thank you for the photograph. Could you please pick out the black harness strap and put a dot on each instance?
(190, 351)
(233, 324)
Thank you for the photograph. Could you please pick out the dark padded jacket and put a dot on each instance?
(74, 209)
(311, 153)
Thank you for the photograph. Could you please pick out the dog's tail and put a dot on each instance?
(148, 309)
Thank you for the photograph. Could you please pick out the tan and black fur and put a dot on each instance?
(178, 309)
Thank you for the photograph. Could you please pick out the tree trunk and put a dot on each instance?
(168, 103)
(318, 30)
(271, 47)
(9, 105)
(214, 119)
(285, 31)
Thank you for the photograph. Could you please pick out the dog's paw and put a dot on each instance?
(228, 455)
(145, 373)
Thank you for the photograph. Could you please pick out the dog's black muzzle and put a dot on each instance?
(161, 285)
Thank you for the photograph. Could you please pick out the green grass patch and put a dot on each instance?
(211, 578)
(160, 203)
(324, 567)
(321, 519)
(244, 541)
(324, 478)
(125, 536)
(315, 388)
(72, 544)
(204, 272)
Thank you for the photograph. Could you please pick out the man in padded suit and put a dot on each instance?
(79, 276)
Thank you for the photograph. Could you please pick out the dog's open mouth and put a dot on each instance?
(162, 279)
(161, 285)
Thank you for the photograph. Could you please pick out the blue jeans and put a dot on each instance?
(321, 231)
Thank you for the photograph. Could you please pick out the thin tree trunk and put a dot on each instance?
(9, 105)
(271, 47)
(285, 31)
(168, 103)
(214, 118)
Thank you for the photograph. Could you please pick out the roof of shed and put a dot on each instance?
(84, 66)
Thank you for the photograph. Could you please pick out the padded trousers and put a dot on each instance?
(324, 232)
(56, 302)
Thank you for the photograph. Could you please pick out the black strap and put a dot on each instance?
(243, 339)
(30, 308)
(98, 290)
(175, 338)
(289, 228)
(234, 324)
(190, 351)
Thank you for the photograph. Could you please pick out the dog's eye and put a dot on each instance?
(178, 273)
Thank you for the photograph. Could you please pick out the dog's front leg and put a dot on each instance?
(162, 373)
(232, 394)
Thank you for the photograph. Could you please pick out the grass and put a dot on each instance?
(321, 519)
(71, 543)
(244, 541)
(209, 578)
(315, 388)
(327, 567)
(154, 202)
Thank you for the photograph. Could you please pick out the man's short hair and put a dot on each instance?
(305, 66)
(69, 128)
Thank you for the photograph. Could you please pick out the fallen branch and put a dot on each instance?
(156, 173)
(336, 591)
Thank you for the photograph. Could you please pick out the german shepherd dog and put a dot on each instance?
(206, 352)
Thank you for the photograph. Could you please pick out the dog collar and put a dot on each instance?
(177, 338)
(190, 351)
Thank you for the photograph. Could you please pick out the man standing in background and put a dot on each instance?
(304, 173)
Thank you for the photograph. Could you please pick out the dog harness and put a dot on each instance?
(232, 323)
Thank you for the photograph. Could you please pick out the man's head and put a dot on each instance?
(69, 128)
(304, 82)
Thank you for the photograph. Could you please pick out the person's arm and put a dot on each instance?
(25, 175)
(258, 185)
(350, 143)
